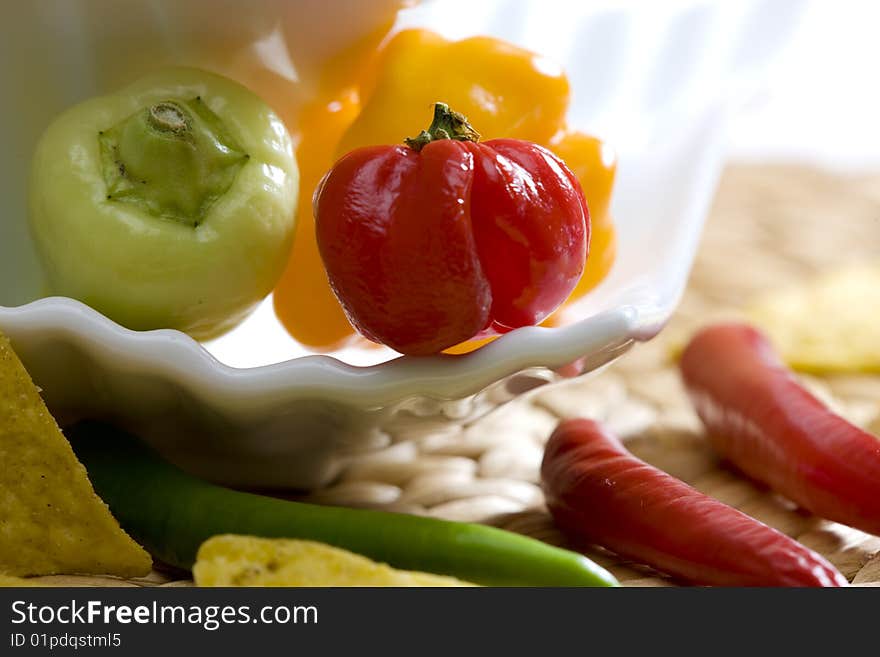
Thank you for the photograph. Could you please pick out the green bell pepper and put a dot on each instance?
(169, 204)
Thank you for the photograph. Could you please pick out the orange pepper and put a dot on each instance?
(595, 165)
(304, 302)
(504, 90)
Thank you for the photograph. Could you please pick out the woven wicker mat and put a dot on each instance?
(769, 226)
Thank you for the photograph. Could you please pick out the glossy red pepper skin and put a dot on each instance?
(761, 419)
(601, 494)
(426, 249)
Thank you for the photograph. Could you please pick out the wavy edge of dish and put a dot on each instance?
(175, 355)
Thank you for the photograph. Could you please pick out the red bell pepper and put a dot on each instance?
(441, 240)
(761, 419)
(601, 494)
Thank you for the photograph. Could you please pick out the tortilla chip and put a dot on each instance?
(829, 325)
(51, 521)
(7, 581)
(230, 560)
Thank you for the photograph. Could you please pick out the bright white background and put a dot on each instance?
(808, 69)
(821, 101)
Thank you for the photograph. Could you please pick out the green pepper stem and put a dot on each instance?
(172, 160)
(168, 117)
(447, 124)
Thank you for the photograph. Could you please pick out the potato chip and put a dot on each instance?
(51, 521)
(829, 325)
(230, 560)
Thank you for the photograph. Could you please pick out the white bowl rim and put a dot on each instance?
(175, 355)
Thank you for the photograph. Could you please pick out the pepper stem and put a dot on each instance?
(172, 159)
(168, 117)
(447, 124)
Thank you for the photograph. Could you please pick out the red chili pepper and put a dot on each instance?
(760, 418)
(601, 494)
(433, 243)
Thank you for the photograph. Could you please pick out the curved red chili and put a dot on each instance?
(601, 494)
(430, 244)
(761, 419)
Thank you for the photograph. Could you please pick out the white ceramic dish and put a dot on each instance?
(252, 408)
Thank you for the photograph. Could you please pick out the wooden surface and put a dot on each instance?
(770, 226)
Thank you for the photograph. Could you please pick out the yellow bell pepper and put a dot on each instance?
(504, 90)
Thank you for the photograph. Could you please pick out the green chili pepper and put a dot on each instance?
(172, 513)
(169, 204)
